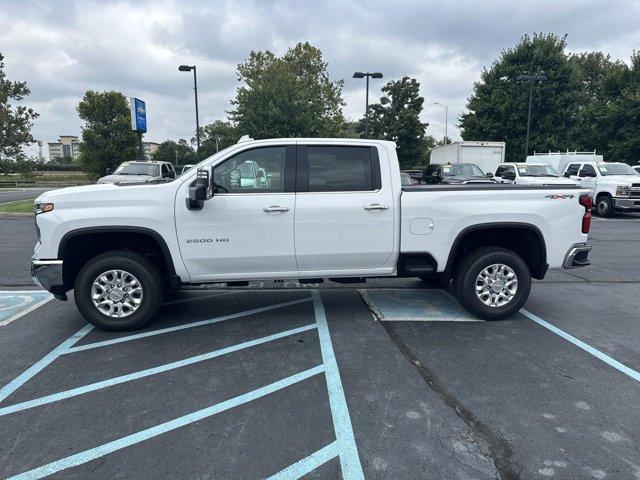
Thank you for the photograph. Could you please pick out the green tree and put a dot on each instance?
(27, 169)
(107, 138)
(178, 153)
(287, 96)
(217, 136)
(609, 110)
(497, 109)
(15, 120)
(397, 118)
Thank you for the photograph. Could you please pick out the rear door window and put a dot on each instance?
(587, 170)
(573, 169)
(339, 169)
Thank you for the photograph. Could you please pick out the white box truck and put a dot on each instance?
(560, 160)
(486, 155)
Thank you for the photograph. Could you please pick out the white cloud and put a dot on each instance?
(64, 48)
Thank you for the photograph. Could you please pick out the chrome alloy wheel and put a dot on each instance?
(116, 293)
(603, 206)
(496, 285)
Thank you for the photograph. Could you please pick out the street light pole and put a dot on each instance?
(539, 77)
(187, 68)
(366, 111)
(446, 121)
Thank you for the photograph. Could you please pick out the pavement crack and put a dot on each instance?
(491, 443)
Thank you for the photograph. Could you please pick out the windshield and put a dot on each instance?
(537, 171)
(150, 169)
(462, 170)
(616, 169)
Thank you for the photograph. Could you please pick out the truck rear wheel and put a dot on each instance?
(492, 283)
(119, 290)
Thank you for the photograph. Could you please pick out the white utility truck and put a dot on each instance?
(530, 174)
(486, 155)
(560, 160)
(333, 208)
(613, 186)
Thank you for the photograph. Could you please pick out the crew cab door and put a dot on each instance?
(246, 229)
(344, 210)
(587, 176)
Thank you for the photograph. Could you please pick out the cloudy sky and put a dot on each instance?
(63, 48)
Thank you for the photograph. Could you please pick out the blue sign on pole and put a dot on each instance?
(138, 115)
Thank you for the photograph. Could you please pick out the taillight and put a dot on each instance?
(587, 202)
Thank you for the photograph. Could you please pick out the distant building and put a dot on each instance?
(149, 148)
(67, 147)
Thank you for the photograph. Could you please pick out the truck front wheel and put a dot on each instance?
(119, 290)
(604, 205)
(492, 283)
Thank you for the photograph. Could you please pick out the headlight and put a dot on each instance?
(622, 190)
(43, 208)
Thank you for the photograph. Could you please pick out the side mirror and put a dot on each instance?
(200, 190)
(489, 175)
(567, 175)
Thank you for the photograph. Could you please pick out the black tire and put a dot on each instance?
(145, 272)
(466, 275)
(604, 205)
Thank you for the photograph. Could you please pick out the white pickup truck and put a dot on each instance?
(530, 174)
(613, 186)
(333, 208)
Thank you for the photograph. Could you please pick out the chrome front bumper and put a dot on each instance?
(577, 256)
(627, 204)
(48, 275)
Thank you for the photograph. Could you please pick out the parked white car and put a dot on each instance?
(614, 186)
(530, 174)
(331, 208)
(141, 172)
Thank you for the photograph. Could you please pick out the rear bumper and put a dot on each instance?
(48, 275)
(577, 256)
(626, 204)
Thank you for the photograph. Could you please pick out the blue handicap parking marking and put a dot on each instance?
(14, 304)
(344, 447)
(415, 305)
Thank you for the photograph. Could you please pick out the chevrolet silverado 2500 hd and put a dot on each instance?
(331, 208)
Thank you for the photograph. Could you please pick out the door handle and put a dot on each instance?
(376, 206)
(275, 209)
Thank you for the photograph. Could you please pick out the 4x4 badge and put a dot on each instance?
(559, 197)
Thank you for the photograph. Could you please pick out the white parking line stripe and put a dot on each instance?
(74, 392)
(141, 436)
(584, 346)
(42, 363)
(24, 312)
(308, 464)
(160, 331)
(349, 459)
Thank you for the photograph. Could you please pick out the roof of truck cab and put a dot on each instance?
(350, 141)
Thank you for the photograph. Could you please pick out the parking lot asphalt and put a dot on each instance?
(289, 381)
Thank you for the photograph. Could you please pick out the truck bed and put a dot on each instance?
(434, 216)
